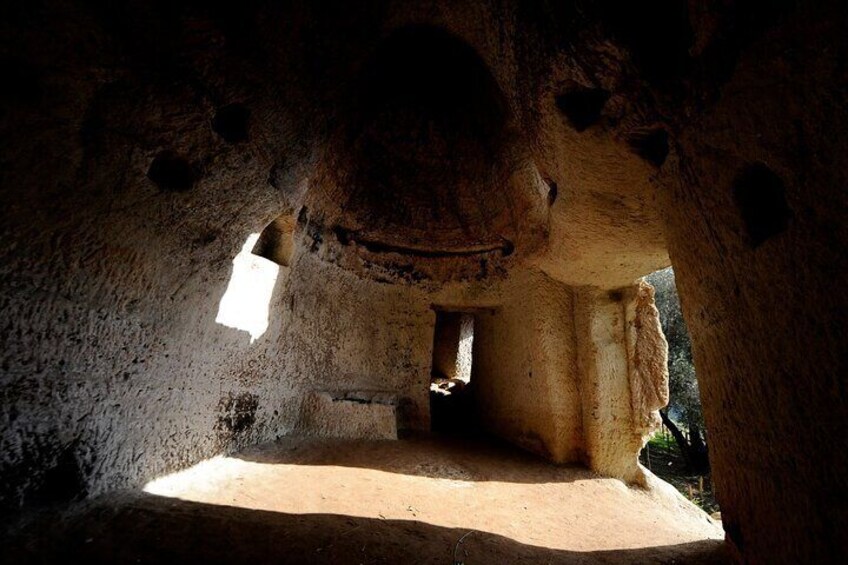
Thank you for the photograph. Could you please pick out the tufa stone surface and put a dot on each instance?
(524, 161)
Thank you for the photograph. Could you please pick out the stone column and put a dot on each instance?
(757, 235)
(622, 358)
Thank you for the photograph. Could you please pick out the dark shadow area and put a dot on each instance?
(473, 457)
(651, 145)
(172, 173)
(232, 123)
(452, 409)
(423, 157)
(428, 114)
(583, 106)
(64, 482)
(761, 197)
(451, 390)
(658, 35)
(142, 528)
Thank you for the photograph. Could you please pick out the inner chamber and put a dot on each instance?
(426, 161)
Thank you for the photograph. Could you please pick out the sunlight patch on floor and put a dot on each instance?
(578, 512)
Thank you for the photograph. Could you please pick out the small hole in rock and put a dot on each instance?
(651, 145)
(761, 197)
(342, 235)
(232, 123)
(63, 482)
(553, 191)
(658, 34)
(583, 106)
(171, 173)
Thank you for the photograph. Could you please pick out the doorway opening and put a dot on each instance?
(679, 453)
(451, 389)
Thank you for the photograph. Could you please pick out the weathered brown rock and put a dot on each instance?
(526, 162)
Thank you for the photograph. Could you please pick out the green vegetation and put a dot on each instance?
(683, 417)
(663, 458)
(661, 442)
(678, 454)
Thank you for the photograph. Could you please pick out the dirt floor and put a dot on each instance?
(419, 500)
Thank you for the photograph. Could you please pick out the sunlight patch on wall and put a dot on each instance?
(466, 346)
(245, 304)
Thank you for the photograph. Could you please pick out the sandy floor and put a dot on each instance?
(411, 501)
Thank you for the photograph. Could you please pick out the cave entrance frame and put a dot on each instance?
(452, 403)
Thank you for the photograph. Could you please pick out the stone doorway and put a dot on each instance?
(451, 389)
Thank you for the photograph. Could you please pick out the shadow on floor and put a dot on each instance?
(472, 458)
(143, 528)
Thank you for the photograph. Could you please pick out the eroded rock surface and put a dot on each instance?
(526, 162)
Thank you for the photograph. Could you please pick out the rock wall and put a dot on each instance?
(647, 358)
(352, 415)
(756, 217)
(156, 383)
(144, 143)
(465, 351)
(125, 199)
(448, 331)
(620, 389)
(345, 334)
(524, 372)
(115, 369)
